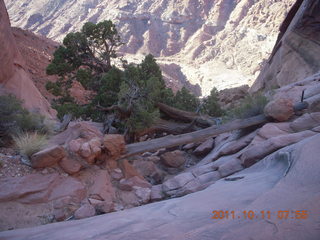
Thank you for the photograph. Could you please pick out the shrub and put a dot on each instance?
(211, 105)
(14, 119)
(84, 76)
(185, 100)
(30, 143)
(54, 88)
(250, 106)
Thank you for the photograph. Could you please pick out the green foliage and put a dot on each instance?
(93, 47)
(30, 143)
(108, 87)
(185, 100)
(62, 62)
(250, 106)
(14, 119)
(54, 88)
(85, 77)
(141, 88)
(68, 108)
(211, 105)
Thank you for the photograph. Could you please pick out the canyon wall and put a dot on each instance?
(296, 54)
(220, 43)
(14, 79)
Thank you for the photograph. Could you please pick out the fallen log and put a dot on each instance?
(185, 116)
(169, 127)
(197, 136)
(172, 141)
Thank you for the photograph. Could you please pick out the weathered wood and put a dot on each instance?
(171, 141)
(65, 122)
(175, 128)
(185, 116)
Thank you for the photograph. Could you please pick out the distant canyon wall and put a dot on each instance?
(218, 43)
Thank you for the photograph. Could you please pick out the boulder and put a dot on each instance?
(173, 159)
(80, 131)
(177, 182)
(156, 193)
(114, 144)
(48, 157)
(279, 109)
(306, 121)
(190, 187)
(128, 170)
(38, 188)
(98, 183)
(204, 148)
(149, 170)
(75, 145)
(203, 169)
(116, 174)
(102, 206)
(85, 211)
(129, 184)
(143, 194)
(230, 167)
(70, 165)
(209, 177)
(90, 150)
(233, 147)
(258, 151)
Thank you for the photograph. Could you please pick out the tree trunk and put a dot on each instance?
(172, 141)
(185, 116)
(169, 127)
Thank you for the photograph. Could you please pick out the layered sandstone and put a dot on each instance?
(211, 43)
(14, 78)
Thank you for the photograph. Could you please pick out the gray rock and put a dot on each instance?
(177, 181)
(205, 147)
(209, 177)
(85, 211)
(230, 167)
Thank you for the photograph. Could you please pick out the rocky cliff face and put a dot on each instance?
(296, 54)
(14, 78)
(211, 43)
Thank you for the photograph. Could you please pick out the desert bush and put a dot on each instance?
(185, 100)
(54, 88)
(14, 119)
(211, 104)
(30, 143)
(250, 106)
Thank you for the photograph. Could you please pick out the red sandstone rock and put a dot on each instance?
(14, 78)
(173, 159)
(85, 211)
(279, 109)
(114, 144)
(70, 165)
(48, 157)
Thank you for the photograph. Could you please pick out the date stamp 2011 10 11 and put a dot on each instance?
(252, 215)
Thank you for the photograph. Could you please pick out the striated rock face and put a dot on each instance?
(14, 78)
(296, 54)
(211, 43)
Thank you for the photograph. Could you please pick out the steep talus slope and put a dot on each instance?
(38, 51)
(214, 43)
(14, 78)
(296, 54)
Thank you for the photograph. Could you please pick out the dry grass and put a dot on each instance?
(30, 143)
